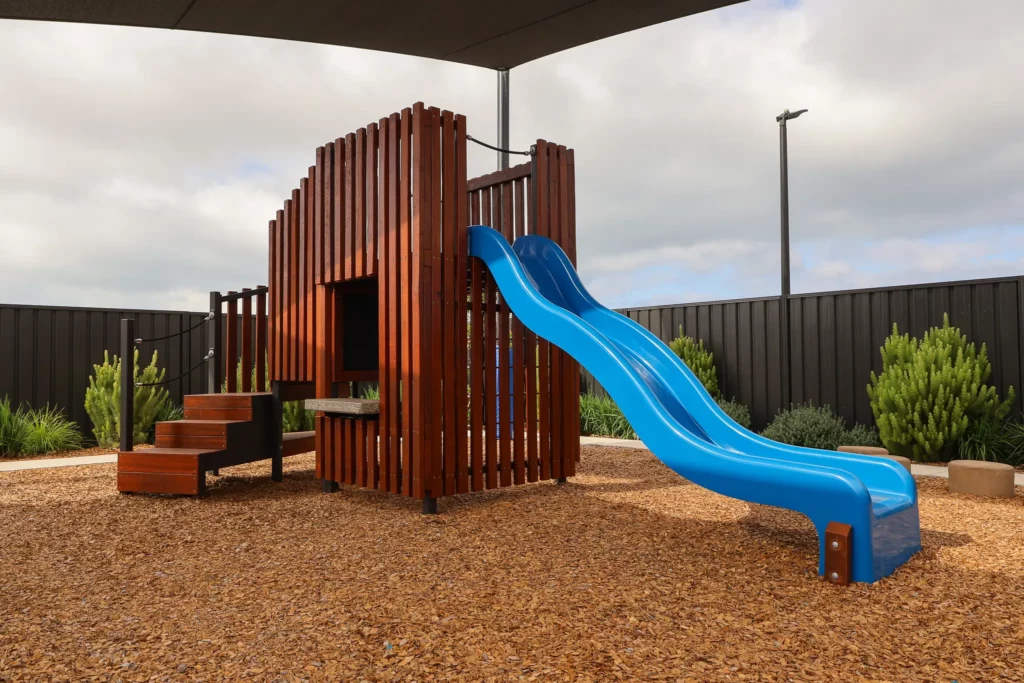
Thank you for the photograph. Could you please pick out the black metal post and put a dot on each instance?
(215, 372)
(784, 331)
(127, 413)
(503, 112)
(784, 298)
(429, 505)
(274, 437)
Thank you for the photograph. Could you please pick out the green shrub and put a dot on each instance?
(49, 431)
(698, 359)
(861, 435)
(371, 392)
(600, 416)
(805, 425)
(931, 391)
(33, 432)
(737, 411)
(102, 399)
(1013, 437)
(13, 428)
(993, 440)
(296, 418)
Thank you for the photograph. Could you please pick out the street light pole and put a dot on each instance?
(503, 111)
(787, 377)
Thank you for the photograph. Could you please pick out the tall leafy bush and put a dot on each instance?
(930, 391)
(698, 359)
(102, 399)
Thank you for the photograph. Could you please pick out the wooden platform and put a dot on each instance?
(219, 430)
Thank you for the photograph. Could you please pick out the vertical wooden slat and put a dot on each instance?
(324, 342)
(541, 191)
(443, 167)
(274, 347)
(405, 303)
(384, 318)
(318, 216)
(296, 289)
(300, 281)
(247, 323)
(359, 443)
(373, 468)
(433, 300)
(286, 293)
(338, 429)
(349, 218)
(393, 340)
(502, 347)
(327, 227)
(421, 247)
(476, 378)
(359, 200)
(338, 210)
(557, 373)
(371, 199)
(308, 288)
(570, 183)
(570, 371)
(518, 397)
(261, 342)
(318, 440)
(231, 346)
(460, 223)
(489, 357)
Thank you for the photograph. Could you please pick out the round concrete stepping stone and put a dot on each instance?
(979, 478)
(880, 452)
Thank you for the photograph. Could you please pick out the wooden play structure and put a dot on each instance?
(370, 284)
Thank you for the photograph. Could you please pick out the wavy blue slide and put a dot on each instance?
(682, 425)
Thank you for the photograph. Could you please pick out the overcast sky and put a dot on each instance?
(139, 167)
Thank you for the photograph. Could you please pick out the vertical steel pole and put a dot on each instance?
(127, 413)
(503, 107)
(784, 299)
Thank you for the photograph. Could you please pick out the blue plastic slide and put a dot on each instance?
(684, 427)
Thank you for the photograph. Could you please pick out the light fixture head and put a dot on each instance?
(787, 115)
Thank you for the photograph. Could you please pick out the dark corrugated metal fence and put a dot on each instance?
(47, 353)
(835, 339)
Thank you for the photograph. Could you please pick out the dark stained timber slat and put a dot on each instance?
(458, 288)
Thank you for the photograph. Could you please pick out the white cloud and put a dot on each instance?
(140, 167)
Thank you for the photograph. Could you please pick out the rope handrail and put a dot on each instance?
(207, 319)
(195, 367)
(529, 153)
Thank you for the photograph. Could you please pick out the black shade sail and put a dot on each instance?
(485, 33)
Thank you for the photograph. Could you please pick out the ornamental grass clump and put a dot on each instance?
(698, 359)
(931, 391)
(34, 432)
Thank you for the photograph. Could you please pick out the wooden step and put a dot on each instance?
(163, 470)
(227, 406)
(295, 443)
(215, 434)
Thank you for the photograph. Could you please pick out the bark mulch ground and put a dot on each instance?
(627, 573)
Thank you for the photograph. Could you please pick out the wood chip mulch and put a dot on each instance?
(627, 573)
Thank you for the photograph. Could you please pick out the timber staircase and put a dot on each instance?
(218, 430)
